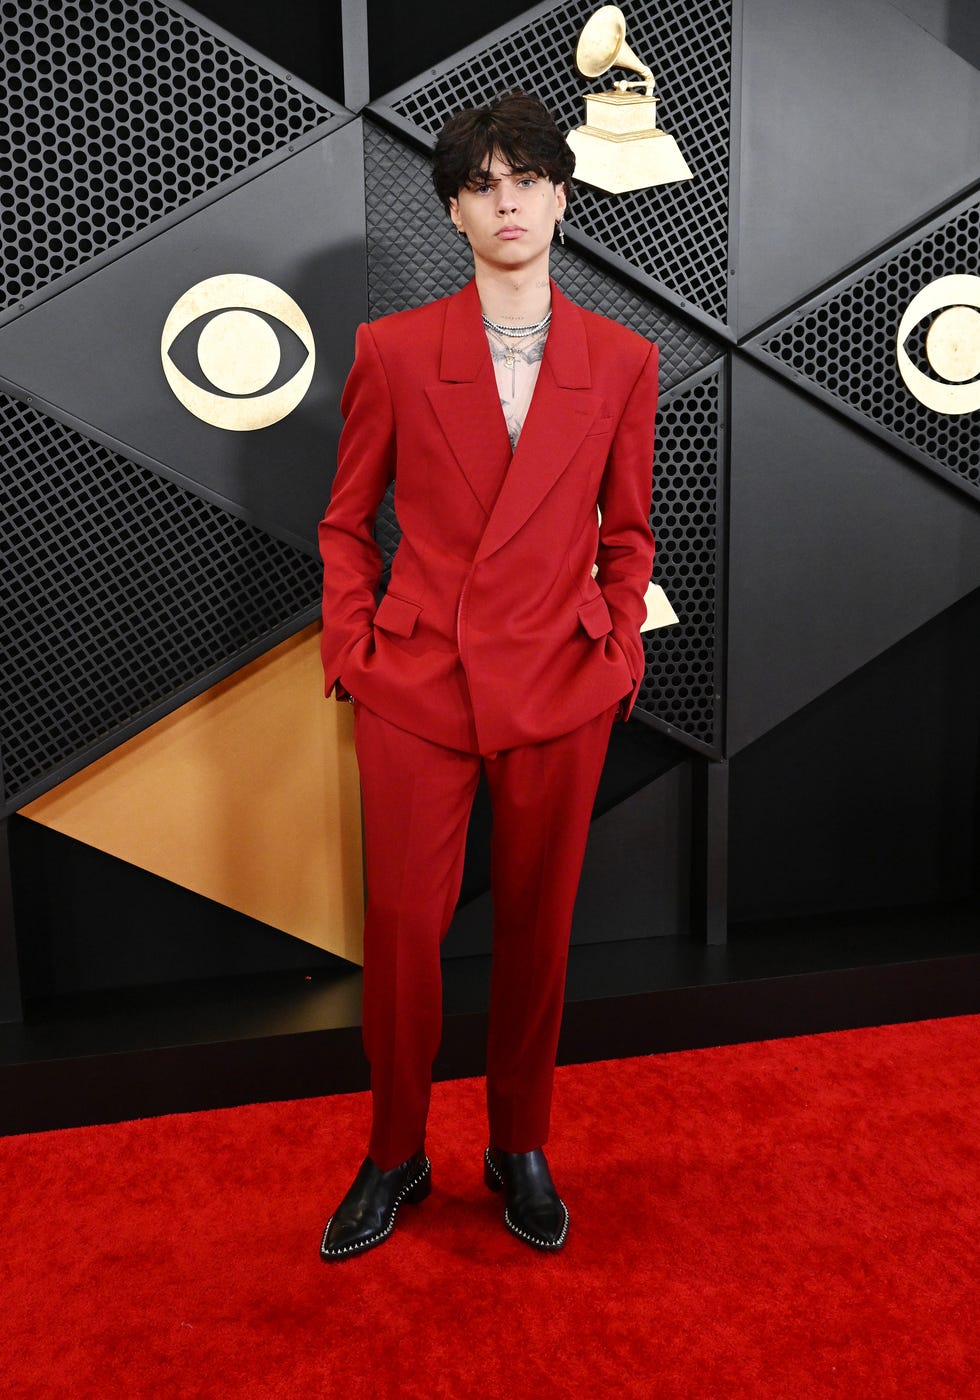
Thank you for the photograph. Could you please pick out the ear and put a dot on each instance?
(454, 213)
(562, 199)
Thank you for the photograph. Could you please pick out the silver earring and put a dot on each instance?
(561, 232)
(459, 232)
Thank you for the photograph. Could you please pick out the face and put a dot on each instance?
(510, 219)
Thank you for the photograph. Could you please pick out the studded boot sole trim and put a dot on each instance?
(515, 1229)
(348, 1249)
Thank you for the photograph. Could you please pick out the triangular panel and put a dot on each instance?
(842, 345)
(127, 589)
(233, 794)
(93, 351)
(838, 548)
(673, 237)
(855, 125)
(681, 692)
(128, 111)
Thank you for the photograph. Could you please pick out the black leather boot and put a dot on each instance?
(366, 1215)
(533, 1210)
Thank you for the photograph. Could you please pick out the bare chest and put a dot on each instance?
(516, 363)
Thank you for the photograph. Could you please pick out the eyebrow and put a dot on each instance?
(485, 177)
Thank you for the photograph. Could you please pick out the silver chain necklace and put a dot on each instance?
(517, 332)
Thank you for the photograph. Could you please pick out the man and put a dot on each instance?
(509, 419)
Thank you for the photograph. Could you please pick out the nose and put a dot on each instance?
(506, 199)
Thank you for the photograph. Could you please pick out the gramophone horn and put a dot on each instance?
(603, 45)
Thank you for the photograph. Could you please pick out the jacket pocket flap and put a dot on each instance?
(594, 617)
(397, 615)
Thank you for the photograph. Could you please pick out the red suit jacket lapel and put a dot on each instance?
(466, 401)
(467, 405)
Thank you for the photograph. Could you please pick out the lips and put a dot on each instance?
(512, 231)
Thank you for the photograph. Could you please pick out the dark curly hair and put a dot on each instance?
(517, 125)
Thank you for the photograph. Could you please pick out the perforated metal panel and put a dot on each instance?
(114, 114)
(414, 254)
(683, 678)
(117, 588)
(675, 235)
(843, 344)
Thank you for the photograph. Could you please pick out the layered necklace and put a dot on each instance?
(516, 333)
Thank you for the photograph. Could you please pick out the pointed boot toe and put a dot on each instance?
(366, 1215)
(533, 1210)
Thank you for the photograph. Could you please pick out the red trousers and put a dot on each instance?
(417, 798)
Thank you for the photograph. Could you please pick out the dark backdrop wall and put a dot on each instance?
(404, 39)
(409, 36)
(304, 37)
(819, 530)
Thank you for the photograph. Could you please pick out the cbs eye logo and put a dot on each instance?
(952, 345)
(249, 340)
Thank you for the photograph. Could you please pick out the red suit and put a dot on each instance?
(494, 646)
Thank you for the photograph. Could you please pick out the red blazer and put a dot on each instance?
(493, 631)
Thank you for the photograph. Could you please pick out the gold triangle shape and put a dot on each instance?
(247, 794)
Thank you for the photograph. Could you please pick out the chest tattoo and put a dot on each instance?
(516, 363)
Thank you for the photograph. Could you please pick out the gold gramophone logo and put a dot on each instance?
(252, 344)
(620, 147)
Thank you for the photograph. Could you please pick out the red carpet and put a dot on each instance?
(795, 1218)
